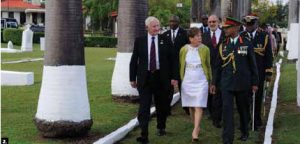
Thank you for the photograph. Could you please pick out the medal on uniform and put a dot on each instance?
(239, 51)
(243, 50)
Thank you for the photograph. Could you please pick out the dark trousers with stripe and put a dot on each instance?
(242, 102)
(153, 88)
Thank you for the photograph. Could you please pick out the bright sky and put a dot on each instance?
(283, 1)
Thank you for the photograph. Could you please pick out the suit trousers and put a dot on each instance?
(153, 88)
(242, 101)
(217, 107)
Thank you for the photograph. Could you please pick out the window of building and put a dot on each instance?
(11, 14)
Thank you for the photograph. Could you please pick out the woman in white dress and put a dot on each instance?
(195, 73)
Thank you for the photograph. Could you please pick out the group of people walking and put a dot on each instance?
(211, 66)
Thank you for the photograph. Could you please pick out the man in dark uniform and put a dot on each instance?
(179, 38)
(237, 72)
(264, 59)
(213, 39)
(204, 27)
(278, 38)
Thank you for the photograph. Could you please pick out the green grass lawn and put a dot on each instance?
(179, 130)
(287, 126)
(19, 103)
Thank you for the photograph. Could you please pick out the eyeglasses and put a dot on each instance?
(212, 21)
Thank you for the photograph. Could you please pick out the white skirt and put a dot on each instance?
(194, 88)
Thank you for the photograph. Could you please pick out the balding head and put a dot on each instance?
(174, 22)
(213, 22)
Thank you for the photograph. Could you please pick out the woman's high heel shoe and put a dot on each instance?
(195, 140)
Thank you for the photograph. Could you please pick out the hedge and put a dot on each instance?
(100, 41)
(37, 36)
(15, 35)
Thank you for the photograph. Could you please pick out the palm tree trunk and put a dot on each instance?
(225, 8)
(241, 8)
(215, 7)
(63, 106)
(131, 24)
(294, 6)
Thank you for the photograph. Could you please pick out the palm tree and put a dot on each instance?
(131, 24)
(215, 6)
(241, 8)
(293, 12)
(63, 106)
(225, 8)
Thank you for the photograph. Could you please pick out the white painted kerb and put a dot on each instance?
(12, 78)
(123, 131)
(120, 85)
(63, 94)
(269, 127)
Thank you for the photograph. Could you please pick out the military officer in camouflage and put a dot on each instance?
(237, 72)
(264, 60)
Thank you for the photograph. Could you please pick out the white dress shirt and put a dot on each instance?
(253, 33)
(217, 34)
(156, 50)
(174, 32)
(234, 40)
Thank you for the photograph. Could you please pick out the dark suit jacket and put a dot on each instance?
(246, 74)
(202, 29)
(180, 40)
(206, 39)
(139, 62)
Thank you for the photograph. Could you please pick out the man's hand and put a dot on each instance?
(133, 84)
(174, 83)
(268, 78)
(254, 89)
(212, 89)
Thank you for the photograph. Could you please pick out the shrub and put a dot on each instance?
(14, 35)
(37, 36)
(100, 41)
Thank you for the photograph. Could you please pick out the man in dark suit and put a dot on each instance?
(153, 73)
(179, 38)
(213, 39)
(264, 60)
(237, 72)
(204, 27)
(278, 38)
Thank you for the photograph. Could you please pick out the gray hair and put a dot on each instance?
(150, 19)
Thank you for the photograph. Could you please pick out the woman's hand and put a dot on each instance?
(133, 84)
(174, 83)
(212, 89)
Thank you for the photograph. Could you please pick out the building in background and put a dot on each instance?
(24, 11)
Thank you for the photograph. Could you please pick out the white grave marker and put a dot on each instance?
(27, 39)
(10, 45)
(42, 43)
(292, 42)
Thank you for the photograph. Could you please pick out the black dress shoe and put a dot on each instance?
(244, 137)
(161, 132)
(142, 140)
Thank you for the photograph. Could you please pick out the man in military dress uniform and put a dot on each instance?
(264, 58)
(237, 71)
